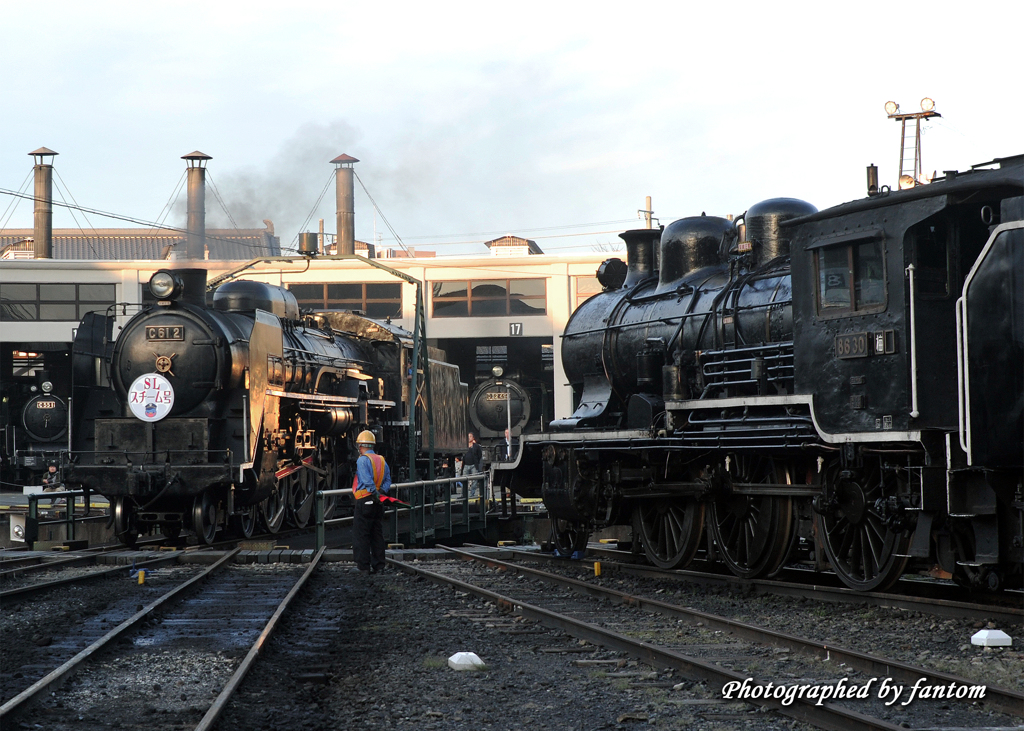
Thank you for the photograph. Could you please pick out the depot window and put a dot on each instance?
(586, 287)
(489, 298)
(850, 277)
(53, 302)
(374, 299)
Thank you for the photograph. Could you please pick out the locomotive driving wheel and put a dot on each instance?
(204, 517)
(272, 509)
(858, 538)
(300, 489)
(244, 523)
(569, 536)
(753, 532)
(670, 530)
(327, 480)
(123, 515)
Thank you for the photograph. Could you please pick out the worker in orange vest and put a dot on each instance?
(372, 481)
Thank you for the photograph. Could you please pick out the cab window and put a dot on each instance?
(850, 277)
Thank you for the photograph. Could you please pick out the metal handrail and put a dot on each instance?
(414, 506)
(32, 521)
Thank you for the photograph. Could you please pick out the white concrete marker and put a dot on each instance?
(991, 638)
(465, 661)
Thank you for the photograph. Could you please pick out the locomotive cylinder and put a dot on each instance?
(333, 421)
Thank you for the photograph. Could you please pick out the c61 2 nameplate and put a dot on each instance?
(853, 345)
(169, 332)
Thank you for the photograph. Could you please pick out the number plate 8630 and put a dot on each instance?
(852, 345)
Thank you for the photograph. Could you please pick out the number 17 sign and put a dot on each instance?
(151, 397)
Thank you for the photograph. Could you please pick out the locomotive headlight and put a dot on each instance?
(46, 386)
(497, 371)
(163, 285)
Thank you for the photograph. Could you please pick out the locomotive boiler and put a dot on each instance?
(236, 410)
(843, 387)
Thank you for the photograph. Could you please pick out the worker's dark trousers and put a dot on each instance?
(368, 535)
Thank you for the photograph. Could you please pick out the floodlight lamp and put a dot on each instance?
(927, 104)
(891, 107)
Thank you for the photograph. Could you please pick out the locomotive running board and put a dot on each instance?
(796, 400)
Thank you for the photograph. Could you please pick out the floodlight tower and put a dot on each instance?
(910, 159)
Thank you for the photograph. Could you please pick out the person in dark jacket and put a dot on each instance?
(373, 479)
(52, 483)
(473, 461)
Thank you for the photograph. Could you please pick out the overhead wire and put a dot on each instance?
(312, 211)
(381, 214)
(137, 221)
(13, 205)
(71, 210)
(522, 230)
(166, 210)
(216, 194)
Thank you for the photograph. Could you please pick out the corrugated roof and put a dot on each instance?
(117, 244)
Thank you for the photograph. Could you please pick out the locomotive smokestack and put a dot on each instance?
(640, 247)
(42, 233)
(346, 203)
(195, 247)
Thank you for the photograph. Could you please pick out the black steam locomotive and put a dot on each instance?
(34, 419)
(236, 410)
(844, 386)
(504, 403)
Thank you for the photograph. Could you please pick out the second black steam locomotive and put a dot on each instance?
(846, 385)
(235, 410)
(33, 427)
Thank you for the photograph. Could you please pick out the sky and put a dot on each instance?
(549, 120)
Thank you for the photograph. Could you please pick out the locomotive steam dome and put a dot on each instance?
(244, 295)
(693, 243)
(764, 231)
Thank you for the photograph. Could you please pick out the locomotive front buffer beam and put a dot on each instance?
(150, 482)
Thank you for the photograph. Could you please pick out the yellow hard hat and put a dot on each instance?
(366, 437)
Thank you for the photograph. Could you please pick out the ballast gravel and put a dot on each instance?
(371, 652)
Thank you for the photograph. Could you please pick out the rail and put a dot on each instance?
(1001, 700)
(426, 508)
(33, 521)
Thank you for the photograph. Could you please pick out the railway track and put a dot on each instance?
(21, 566)
(191, 651)
(912, 595)
(36, 563)
(41, 587)
(717, 650)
